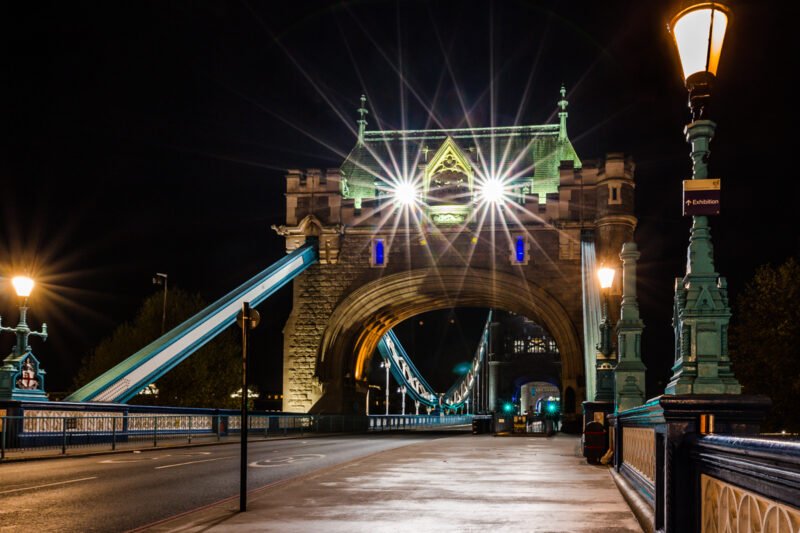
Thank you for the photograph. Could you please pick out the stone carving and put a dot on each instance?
(727, 508)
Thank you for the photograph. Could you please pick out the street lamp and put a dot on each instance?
(161, 279)
(385, 364)
(701, 313)
(402, 391)
(699, 31)
(23, 379)
(604, 364)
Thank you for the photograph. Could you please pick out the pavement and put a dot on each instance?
(459, 483)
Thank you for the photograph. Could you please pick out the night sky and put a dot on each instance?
(145, 137)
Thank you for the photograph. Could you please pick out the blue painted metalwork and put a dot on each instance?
(407, 375)
(125, 380)
(21, 377)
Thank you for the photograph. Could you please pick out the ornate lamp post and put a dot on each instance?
(386, 365)
(604, 364)
(701, 312)
(20, 376)
(402, 390)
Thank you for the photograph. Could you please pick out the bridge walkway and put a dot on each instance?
(461, 483)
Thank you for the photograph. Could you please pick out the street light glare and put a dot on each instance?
(492, 191)
(405, 193)
(23, 285)
(699, 33)
(606, 276)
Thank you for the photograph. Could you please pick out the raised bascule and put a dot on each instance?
(409, 224)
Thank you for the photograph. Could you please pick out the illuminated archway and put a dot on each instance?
(366, 314)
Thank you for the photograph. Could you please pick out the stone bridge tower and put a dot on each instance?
(383, 260)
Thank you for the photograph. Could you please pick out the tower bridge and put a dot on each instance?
(410, 223)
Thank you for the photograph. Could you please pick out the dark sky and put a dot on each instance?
(153, 136)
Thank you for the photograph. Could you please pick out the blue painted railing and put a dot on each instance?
(407, 375)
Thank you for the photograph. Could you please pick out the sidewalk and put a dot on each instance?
(464, 483)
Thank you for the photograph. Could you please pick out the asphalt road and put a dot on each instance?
(123, 491)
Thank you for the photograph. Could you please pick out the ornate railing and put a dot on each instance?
(681, 480)
(639, 451)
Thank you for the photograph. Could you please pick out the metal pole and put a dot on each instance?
(367, 408)
(243, 431)
(164, 307)
(387, 387)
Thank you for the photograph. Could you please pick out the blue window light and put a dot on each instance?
(378, 252)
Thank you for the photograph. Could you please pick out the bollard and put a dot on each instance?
(113, 434)
(190, 429)
(155, 431)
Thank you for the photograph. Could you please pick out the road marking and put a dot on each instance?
(283, 461)
(193, 462)
(153, 458)
(48, 485)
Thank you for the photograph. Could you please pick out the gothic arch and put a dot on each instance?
(366, 314)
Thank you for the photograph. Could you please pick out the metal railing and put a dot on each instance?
(401, 422)
(90, 431)
(692, 480)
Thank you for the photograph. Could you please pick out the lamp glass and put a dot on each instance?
(606, 276)
(23, 285)
(699, 33)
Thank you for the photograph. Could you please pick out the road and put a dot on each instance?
(119, 492)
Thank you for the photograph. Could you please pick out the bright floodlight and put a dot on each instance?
(492, 191)
(606, 276)
(405, 193)
(23, 285)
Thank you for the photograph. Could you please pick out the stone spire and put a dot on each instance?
(362, 121)
(562, 115)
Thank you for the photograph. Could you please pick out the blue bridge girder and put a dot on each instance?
(128, 378)
(407, 375)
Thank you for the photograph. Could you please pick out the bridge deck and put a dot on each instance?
(460, 483)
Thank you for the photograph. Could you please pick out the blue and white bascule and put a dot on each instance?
(125, 380)
(128, 378)
(407, 375)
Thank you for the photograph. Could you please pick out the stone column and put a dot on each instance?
(494, 383)
(629, 372)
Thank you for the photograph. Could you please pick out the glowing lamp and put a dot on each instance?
(23, 285)
(492, 191)
(699, 31)
(405, 193)
(606, 276)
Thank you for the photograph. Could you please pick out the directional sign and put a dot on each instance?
(701, 197)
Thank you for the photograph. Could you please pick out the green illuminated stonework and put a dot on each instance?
(447, 162)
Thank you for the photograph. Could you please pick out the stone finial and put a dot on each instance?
(362, 121)
(562, 115)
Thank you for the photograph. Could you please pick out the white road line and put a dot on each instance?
(48, 485)
(192, 462)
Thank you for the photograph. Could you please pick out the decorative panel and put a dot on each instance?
(639, 451)
(727, 508)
